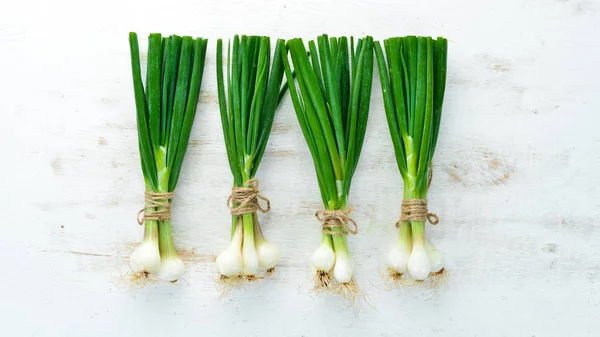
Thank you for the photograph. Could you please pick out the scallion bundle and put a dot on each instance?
(247, 110)
(413, 83)
(165, 113)
(331, 98)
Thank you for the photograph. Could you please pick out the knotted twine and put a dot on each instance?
(416, 209)
(246, 199)
(337, 222)
(158, 207)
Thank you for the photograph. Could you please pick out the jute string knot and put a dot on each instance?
(416, 210)
(337, 222)
(246, 199)
(158, 207)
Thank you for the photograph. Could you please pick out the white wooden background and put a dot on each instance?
(515, 184)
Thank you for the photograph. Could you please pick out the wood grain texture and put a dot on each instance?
(516, 175)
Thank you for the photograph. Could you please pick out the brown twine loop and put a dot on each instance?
(337, 219)
(416, 210)
(247, 199)
(158, 207)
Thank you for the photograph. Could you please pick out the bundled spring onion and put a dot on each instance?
(413, 83)
(165, 113)
(247, 112)
(331, 98)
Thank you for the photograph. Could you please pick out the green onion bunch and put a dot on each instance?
(413, 82)
(248, 102)
(165, 107)
(331, 97)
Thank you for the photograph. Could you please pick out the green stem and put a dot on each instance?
(165, 242)
(339, 185)
(339, 245)
(412, 192)
(326, 239)
(259, 238)
(248, 229)
(150, 226)
(418, 232)
(234, 221)
(248, 164)
(151, 231)
(410, 183)
(405, 234)
(248, 219)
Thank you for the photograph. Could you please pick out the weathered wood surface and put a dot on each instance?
(515, 176)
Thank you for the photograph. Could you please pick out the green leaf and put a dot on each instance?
(244, 81)
(359, 107)
(419, 65)
(153, 88)
(237, 118)
(428, 118)
(258, 97)
(181, 95)
(365, 100)
(304, 71)
(397, 83)
(344, 79)
(271, 102)
(332, 107)
(323, 151)
(420, 94)
(253, 94)
(144, 142)
(169, 85)
(390, 112)
(332, 89)
(229, 141)
(439, 86)
(411, 61)
(316, 66)
(198, 57)
(299, 108)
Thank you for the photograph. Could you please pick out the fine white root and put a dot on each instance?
(228, 283)
(393, 279)
(439, 280)
(348, 290)
(137, 280)
(323, 281)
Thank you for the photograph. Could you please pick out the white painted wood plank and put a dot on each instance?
(515, 175)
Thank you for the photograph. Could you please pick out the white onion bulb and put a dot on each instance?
(436, 258)
(418, 263)
(324, 257)
(171, 269)
(343, 271)
(249, 257)
(229, 262)
(398, 258)
(268, 255)
(146, 258)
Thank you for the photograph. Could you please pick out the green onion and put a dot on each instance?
(247, 109)
(165, 113)
(413, 83)
(331, 98)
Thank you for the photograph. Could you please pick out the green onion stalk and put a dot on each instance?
(247, 108)
(165, 111)
(413, 82)
(331, 98)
